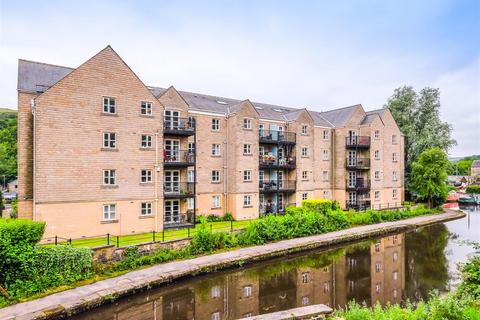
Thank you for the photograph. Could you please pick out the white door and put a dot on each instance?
(352, 178)
(172, 119)
(352, 158)
(172, 150)
(172, 181)
(172, 211)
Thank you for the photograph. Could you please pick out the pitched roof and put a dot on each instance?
(38, 77)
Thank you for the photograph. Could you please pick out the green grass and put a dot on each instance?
(171, 234)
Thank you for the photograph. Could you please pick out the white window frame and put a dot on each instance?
(109, 177)
(247, 124)
(376, 175)
(304, 152)
(325, 175)
(146, 209)
(215, 124)
(326, 155)
(394, 139)
(109, 212)
(394, 157)
(325, 195)
(190, 203)
(394, 176)
(377, 195)
(215, 176)
(215, 292)
(146, 176)
(215, 149)
(247, 201)
(376, 134)
(108, 107)
(146, 141)
(215, 202)
(325, 135)
(247, 175)
(394, 194)
(109, 140)
(215, 316)
(305, 196)
(191, 176)
(247, 149)
(247, 291)
(305, 175)
(376, 154)
(146, 108)
(304, 129)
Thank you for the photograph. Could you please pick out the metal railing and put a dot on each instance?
(178, 189)
(272, 208)
(358, 163)
(177, 125)
(178, 157)
(179, 220)
(275, 136)
(277, 185)
(274, 162)
(358, 141)
(357, 184)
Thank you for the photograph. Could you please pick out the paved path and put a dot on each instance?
(82, 298)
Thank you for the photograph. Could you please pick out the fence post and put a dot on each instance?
(108, 239)
(163, 235)
(188, 229)
(231, 226)
(153, 234)
(118, 241)
(70, 241)
(56, 240)
(211, 228)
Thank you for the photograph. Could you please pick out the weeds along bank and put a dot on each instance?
(28, 270)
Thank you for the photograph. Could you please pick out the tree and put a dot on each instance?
(8, 145)
(418, 117)
(429, 176)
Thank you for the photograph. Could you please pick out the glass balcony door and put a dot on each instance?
(172, 211)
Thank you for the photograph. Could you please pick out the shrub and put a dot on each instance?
(205, 241)
(473, 189)
(319, 205)
(228, 217)
(293, 210)
(471, 278)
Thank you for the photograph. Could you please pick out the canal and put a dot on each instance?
(385, 270)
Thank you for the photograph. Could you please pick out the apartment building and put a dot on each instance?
(100, 152)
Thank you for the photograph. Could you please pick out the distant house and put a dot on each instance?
(459, 180)
(12, 186)
(475, 169)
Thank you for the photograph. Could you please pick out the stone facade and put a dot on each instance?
(205, 155)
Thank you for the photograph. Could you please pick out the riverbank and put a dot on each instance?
(86, 297)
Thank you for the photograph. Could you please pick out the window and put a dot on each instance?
(215, 202)
(109, 177)
(247, 149)
(377, 175)
(109, 105)
(325, 175)
(191, 176)
(261, 176)
(395, 239)
(325, 194)
(304, 196)
(376, 134)
(247, 175)
(394, 176)
(191, 147)
(378, 267)
(326, 286)
(215, 292)
(325, 269)
(261, 151)
(215, 149)
(247, 291)
(394, 194)
(377, 247)
(304, 129)
(377, 195)
(377, 154)
(247, 124)
(377, 288)
(304, 175)
(395, 275)
(109, 140)
(215, 316)
(146, 141)
(395, 293)
(305, 277)
(305, 301)
(325, 154)
(146, 176)
(190, 203)
(146, 108)
(394, 157)
(215, 176)
(216, 124)
(395, 256)
(146, 209)
(304, 152)
(247, 201)
(325, 134)
(109, 211)
(394, 139)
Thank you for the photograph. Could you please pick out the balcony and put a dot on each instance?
(179, 220)
(358, 205)
(358, 163)
(175, 126)
(274, 186)
(358, 142)
(272, 162)
(276, 137)
(359, 184)
(273, 208)
(178, 158)
(176, 190)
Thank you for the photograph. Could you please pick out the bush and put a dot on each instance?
(471, 278)
(473, 189)
(205, 241)
(319, 205)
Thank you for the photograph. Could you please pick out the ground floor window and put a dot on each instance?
(247, 201)
(325, 194)
(304, 196)
(172, 211)
(146, 209)
(215, 202)
(109, 212)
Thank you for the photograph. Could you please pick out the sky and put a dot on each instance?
(315, 54)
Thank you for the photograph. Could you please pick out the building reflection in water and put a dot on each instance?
(368, 272)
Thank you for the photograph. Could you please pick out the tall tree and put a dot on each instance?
(429, 176)
(8, 145)
(418, 117)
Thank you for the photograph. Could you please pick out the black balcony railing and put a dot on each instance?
(174, 158)
(273, 162)
(178, 189)
(275, 136)
(358, 205)
(358, 142)
(278, 186)
(358, 184)
(358, 163)
(179, 219)
(274, 208)
(178, 126)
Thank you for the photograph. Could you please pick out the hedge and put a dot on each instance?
(473, 189)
